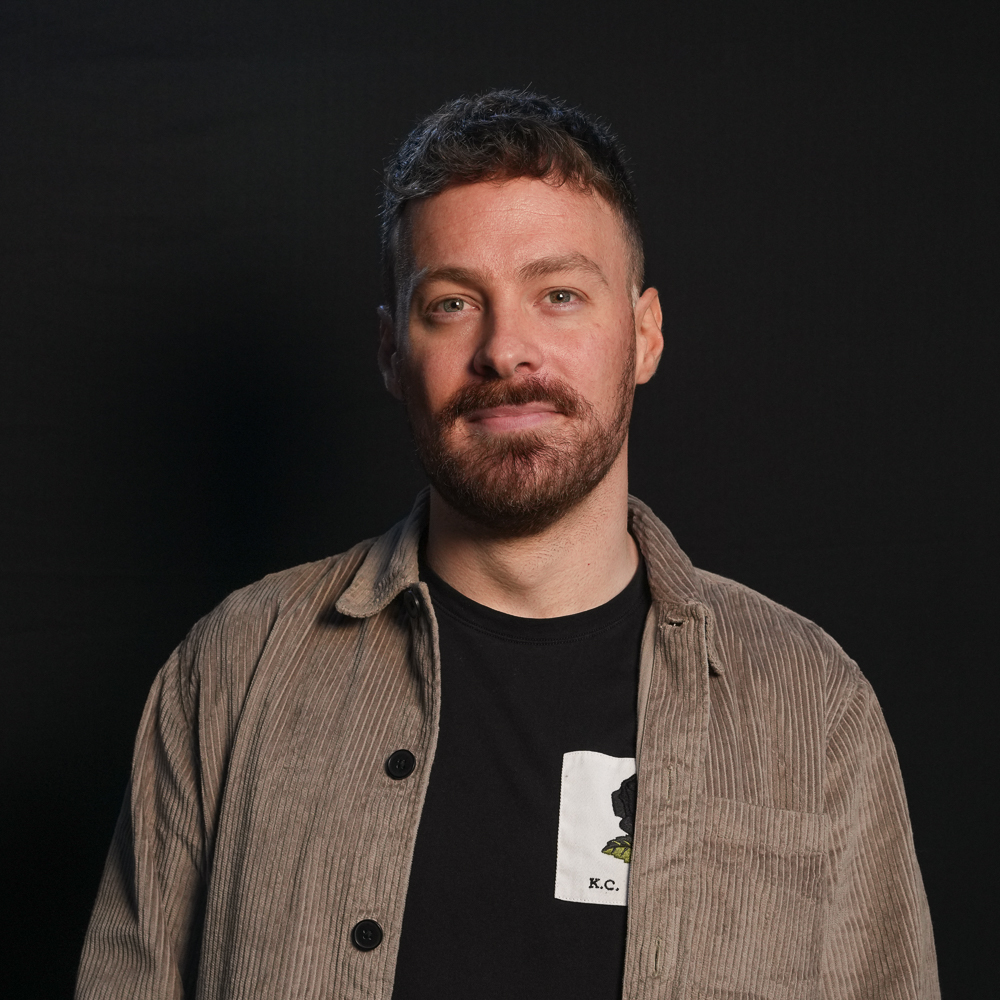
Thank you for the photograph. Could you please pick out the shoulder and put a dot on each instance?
(760, 639)
(228, 642)
(281, 594)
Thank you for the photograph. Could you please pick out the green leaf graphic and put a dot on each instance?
(620, 847)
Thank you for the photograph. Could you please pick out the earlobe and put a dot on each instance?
(648, 335)
(388, 352)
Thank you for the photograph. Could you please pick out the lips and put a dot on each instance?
(510, 411)
(501, 419)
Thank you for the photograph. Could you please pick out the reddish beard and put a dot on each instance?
(519, 483)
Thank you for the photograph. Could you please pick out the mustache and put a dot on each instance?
(516, 392)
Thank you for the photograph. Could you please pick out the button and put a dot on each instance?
(366, 934)
(400, 764)
(412, 603)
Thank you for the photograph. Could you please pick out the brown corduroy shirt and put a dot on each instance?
(772, 854)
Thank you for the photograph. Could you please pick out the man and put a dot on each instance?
(518, 746)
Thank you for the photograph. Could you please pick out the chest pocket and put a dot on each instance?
(764, 877)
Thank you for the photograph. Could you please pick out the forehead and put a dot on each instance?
(497, 226)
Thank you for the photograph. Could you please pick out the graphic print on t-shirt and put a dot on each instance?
(596, 823)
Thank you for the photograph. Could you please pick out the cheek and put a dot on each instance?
(595, 365)
(431, 378)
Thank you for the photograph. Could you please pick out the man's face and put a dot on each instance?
(520, 347)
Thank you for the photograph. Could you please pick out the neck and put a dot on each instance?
(579, 562)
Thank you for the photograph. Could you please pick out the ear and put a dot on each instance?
(648, 335)
(388, 352)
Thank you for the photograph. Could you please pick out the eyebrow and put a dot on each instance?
(574, 261)
(459, 275)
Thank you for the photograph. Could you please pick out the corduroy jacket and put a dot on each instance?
(772, 851)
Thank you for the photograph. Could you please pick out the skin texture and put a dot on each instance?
(523, 282)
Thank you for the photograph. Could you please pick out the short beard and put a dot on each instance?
(518, 484)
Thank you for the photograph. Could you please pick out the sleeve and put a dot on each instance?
(144, 933)
(880, 945)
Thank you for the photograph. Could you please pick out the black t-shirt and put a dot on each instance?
(520, 869)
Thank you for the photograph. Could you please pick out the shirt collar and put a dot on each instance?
(391, 564)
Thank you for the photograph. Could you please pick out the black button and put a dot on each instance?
(400, 764)
(412, 603)
(366, 934)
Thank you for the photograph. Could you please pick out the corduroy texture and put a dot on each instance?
(773, 856)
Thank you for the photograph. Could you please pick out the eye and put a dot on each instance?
(560, 296)
(452, 305)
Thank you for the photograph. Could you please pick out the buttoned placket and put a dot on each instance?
(405, 770)
(673, 700)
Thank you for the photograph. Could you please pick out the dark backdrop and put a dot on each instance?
(189, 396)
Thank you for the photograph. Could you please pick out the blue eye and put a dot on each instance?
(560, 296)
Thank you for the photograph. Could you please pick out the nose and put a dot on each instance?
(508, 346)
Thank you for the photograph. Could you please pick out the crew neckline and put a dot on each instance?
(633, 599)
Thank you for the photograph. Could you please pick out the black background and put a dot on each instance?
(189, 397)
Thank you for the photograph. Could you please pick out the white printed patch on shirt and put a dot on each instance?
(596, 823)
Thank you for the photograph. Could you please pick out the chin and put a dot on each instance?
(519, 483)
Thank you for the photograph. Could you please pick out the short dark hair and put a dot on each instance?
(505, 134)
